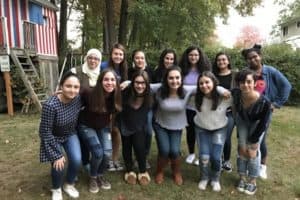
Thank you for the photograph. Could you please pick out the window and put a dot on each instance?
(285, 31)
(35, 13)
(45, 19)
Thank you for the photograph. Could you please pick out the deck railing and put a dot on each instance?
(29, 35)
(3, 34)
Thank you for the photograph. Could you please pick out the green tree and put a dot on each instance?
(154, 24)
(158, 24)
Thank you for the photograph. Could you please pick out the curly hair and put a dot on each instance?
(202, 65)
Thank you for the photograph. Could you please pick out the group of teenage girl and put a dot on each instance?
(98, 108)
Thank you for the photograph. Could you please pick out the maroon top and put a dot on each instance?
(92, 119)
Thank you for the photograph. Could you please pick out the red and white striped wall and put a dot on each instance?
(16, 12)
(46, 34)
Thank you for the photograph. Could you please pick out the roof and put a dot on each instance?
(45, 3)
(290, 20)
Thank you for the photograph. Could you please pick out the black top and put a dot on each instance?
(132, 120)
(259, 111)
(93, 119)
(158, 75)
(225, 80)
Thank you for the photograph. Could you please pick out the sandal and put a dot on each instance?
(144, 178)
(130, 178)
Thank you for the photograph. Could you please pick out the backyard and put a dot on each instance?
(23, 177)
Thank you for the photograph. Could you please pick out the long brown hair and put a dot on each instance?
(165, 89)
(97, 98)
(132, 95)
(202, 65)
(214, 94)
(123, 68)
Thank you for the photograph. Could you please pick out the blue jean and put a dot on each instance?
(168, 141)
(210, 145)
(100, 147)
(73, 152)
(245, 129)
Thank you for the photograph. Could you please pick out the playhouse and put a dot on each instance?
(28, 39)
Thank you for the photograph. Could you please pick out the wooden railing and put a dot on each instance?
(29, 35)
(3, 35)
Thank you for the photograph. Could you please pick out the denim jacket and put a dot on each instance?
(278, 87)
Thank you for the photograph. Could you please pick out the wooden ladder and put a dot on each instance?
(30, 77)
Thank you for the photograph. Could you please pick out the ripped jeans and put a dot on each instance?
(99, 145)
(210, 145)
(247, 166)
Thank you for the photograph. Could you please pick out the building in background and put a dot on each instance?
(290, 32)
(28, 36)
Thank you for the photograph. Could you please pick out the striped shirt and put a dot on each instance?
(58, 123)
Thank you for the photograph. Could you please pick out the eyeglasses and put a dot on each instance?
(93, 58)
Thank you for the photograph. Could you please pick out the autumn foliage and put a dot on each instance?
(249, 35)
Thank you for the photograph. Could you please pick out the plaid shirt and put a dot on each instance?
(58, 122)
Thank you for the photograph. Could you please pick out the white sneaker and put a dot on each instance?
(190, 158)
(263, 172)
(71, 190)
(196, 162)
(202, 184)
(56, 194)
(216, 187)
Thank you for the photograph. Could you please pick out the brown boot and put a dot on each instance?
(161, 164)
(175, 165)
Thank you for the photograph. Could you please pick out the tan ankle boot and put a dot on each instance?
(177, 177)
(161, 164)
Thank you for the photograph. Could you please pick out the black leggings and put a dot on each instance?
(227, 145)
(137, 143)
(263, 144)
(263, 149)
(190, 130)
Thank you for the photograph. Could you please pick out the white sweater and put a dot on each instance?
(212, 119)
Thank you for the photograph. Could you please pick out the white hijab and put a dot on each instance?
(92, 73)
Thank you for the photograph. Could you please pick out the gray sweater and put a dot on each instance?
(212, 119)
(170, 113)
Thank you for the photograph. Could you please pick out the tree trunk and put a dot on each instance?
(83, 36)
(134, 31)
(62, 36)
(105, 35)
(110, 23)
(123, 22)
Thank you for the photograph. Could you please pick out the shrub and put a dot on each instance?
(280, 56)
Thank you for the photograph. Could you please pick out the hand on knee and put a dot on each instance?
(243, 152)
(252, 150)
(204, 161)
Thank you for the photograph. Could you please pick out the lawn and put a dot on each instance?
(23, 177)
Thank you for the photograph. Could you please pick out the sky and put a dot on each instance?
(264, 17)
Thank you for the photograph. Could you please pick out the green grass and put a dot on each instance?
(23, 177)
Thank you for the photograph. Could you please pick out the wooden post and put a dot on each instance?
(9, 98)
